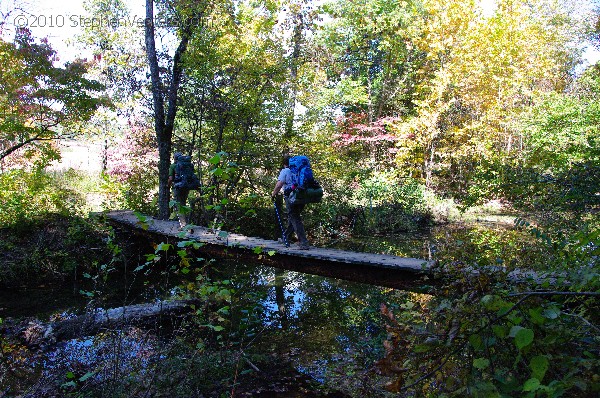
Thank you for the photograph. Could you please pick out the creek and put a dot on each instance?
(329, 330)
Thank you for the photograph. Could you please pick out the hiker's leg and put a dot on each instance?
(181, 196)
(288, 232)
(296, 221)
(290, 227)
(303, 241)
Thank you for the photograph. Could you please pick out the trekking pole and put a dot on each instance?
(281, 225)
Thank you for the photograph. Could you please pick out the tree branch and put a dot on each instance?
(446, 358)
(23, 143)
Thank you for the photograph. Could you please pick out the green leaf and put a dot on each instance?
(481, 363)
(532, 384)
(421, 348)
(192, 243)
(140, 216)
(271, 252)
(214, 160)
(499, 331)
(476, 341)
(218, 171)
(551, 313)
(257, 250)
(536, 316)
(492, 302)
(504, 308)
(163, 247)
(69, 384)
(485, 389)
(223, 310)
(539, 365)
(523, 338)
(86, 376)
(514, 330)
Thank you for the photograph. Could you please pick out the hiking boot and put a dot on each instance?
(304, 246)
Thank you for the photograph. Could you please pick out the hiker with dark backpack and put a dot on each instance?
(182, 178)
(296, 178)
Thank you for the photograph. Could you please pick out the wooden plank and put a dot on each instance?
(230, 240)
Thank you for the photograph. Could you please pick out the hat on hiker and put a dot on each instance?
(177, 155)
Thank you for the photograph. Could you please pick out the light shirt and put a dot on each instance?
(286, 176)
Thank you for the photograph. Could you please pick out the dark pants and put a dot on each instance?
(181, 196)
(295, 222)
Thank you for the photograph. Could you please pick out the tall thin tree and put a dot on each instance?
(164, 119)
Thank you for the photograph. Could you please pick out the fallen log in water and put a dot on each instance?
(89, 324)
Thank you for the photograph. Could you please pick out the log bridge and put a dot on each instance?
(371, 268)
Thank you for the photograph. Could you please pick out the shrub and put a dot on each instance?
(27, 195)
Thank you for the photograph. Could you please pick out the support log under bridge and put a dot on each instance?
(371, 268)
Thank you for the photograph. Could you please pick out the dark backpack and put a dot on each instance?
(306, 189)
(185, 176)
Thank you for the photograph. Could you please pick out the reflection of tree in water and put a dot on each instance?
(329, 329)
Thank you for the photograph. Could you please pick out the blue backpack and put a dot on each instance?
(300, 168)
(306, 189)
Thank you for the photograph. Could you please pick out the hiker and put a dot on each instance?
(182, 178)
(285, 181)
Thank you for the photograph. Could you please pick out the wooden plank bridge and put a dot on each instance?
(372, 268)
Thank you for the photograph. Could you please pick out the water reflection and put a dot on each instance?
(330, 329)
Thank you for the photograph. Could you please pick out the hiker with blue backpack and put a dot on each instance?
(299, 188)
(182, 178)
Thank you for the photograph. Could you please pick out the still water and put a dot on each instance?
(328, 329)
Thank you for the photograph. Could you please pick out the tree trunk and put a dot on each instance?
(295, 59)
(163, 123)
